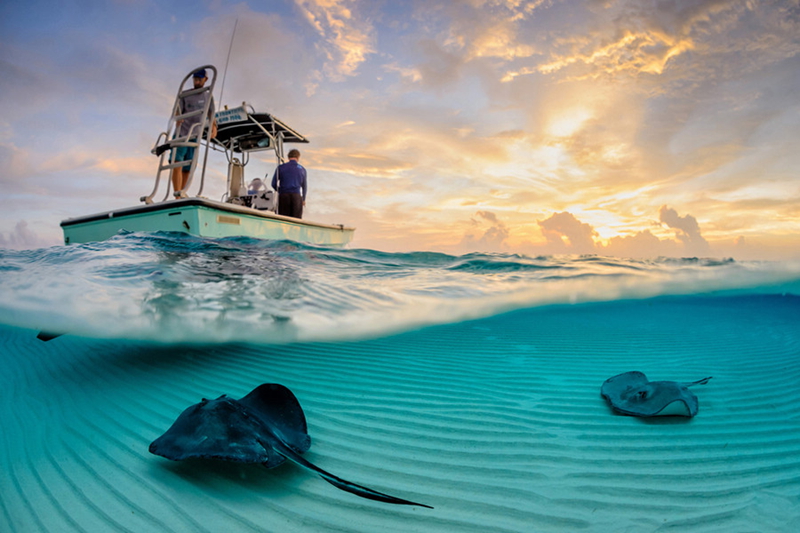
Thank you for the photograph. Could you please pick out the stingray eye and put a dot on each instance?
(642, 394)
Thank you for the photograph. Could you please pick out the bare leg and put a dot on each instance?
(176, 179)
(179, 180)
(184, 181)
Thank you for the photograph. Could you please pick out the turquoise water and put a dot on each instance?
(468, 383)
(176, 288)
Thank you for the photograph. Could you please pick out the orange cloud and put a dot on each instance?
(358, 163)
(564, 229)
(499, 40)
(564, 233)
(633, 53)
(487, 234)
(128, 165)
(349, 38)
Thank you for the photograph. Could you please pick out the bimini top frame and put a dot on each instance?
(243, 130)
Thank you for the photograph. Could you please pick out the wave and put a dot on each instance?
(169, 287)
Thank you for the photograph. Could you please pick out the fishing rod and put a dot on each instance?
(225, 73)
(221, 91)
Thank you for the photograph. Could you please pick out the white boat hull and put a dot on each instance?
(203, 218)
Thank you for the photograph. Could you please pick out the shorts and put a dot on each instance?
(183, 153)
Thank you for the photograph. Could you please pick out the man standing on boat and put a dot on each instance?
(192, 102)
(290, 182)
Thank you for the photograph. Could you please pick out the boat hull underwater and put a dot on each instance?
(203, 218)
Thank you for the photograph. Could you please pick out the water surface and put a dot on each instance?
(470, 383)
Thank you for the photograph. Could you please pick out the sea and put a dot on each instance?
(470, 383)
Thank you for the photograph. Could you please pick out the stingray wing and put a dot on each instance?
(669, 398)
(278, 410)
(216, 429)
(615, 388)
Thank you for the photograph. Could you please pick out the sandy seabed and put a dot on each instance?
(497, 423)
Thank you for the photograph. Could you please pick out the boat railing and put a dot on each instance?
(169, 139)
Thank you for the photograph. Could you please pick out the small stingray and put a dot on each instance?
(631, 394)
(47, 335)
(267, 426)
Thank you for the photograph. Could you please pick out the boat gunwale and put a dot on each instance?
(198, 202)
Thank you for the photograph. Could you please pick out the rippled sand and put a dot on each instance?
(498, 424)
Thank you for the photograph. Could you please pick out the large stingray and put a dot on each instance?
(632, 394)
(267, 426)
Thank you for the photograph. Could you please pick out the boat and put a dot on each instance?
(243, 211)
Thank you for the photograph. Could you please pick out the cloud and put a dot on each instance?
(487, 234)
(687, 230)
(479, 33)
(640, 244)
(93, 74)
(363, 163)
(22, 238)
(15, 163)
(23, 83)
(563, 230)
(694, 42)
(498, 39)
(429, 147)
(611, 108)
(347, 38)
(410, 74)
(632, 53)
(491, 28)
(439, 66)
(143, 165)
(267, 53)
(564, 233)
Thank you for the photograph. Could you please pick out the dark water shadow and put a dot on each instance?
(121, 353)
(666, 420)
(218, 477)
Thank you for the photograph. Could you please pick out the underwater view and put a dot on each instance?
(438, 392)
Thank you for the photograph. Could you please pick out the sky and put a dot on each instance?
(631, 128)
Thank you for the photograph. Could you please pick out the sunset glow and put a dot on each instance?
(539, 127)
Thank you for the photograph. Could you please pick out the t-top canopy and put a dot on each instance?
(240, 130)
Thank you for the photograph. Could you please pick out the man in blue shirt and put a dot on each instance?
(290, 182)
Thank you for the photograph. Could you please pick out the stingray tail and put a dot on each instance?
(343, 484)
(699, 381)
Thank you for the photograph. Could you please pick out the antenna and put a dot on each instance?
(225, 74)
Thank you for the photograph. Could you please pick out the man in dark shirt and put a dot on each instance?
(290, 182)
